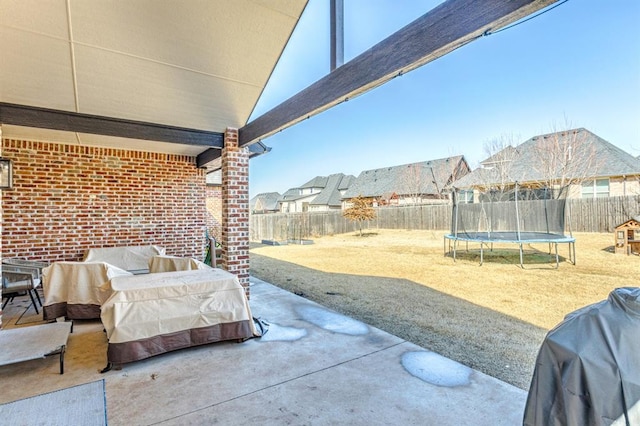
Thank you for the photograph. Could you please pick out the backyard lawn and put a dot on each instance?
(491, 317)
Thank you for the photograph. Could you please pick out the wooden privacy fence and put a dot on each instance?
(601, 214)
(582, 215)
(297, 226)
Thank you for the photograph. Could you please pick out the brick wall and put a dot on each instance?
(67, 198)
(214, 211)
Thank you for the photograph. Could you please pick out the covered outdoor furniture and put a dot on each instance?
(134, 259)
(71, 289)
(147, 315)
(174, 263)
(588, 367)
(29, 343)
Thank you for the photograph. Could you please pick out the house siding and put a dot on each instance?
(322, 208)
(618, 187)
(624, 186)
(67, 198)
(296, 206)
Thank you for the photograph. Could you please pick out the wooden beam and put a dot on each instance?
(447, 27)
(21, 115)
(207, 157)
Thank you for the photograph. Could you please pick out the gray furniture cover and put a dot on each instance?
(588, 367)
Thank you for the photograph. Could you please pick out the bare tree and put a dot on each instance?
(562, 159)
(497, 169)
(546, 166)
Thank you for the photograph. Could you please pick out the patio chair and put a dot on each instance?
(17, 283)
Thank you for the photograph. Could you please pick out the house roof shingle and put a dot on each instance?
(599, 159)
(330, 187)
(266, 201)
(316, 182)
(331, 195)
(427, 177)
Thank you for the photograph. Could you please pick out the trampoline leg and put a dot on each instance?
(521, 262)
(453, 252)
(447, 250)
(481, 254)
(557, 258)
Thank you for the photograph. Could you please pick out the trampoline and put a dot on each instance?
(511, 222)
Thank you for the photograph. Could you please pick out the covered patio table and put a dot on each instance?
(147, 315)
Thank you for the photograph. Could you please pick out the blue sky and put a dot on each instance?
(578, 64)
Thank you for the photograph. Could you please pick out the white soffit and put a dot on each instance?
(35, 70)
(198, 64)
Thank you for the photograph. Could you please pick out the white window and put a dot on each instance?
(595, 188)
(465, 197)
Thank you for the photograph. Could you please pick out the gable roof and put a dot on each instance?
(595, 157)
(266, 201)
(316, 182)
(331, 195)
(631, 223)
(500, 157)
(427, 177)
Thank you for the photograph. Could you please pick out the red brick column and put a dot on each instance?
(235, 208)
(1, 221)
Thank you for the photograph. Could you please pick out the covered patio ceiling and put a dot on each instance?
(151, 75)
(170, 76)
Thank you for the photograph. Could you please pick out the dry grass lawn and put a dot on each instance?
(491, 317)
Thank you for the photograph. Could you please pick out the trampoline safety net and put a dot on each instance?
(507, 219)
(518, 221)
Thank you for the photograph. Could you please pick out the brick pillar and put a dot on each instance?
(235, 208)
(1, 222)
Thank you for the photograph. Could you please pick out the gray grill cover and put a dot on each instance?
(588, 367)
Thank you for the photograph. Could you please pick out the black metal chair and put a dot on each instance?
(17, 283)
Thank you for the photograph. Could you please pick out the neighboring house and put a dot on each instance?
(330, 197)
(321, 193)
(427, 182)
(568, 164)
(266, 202)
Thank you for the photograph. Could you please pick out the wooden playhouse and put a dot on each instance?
(627, 237)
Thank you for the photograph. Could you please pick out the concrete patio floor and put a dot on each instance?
(313, 366)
